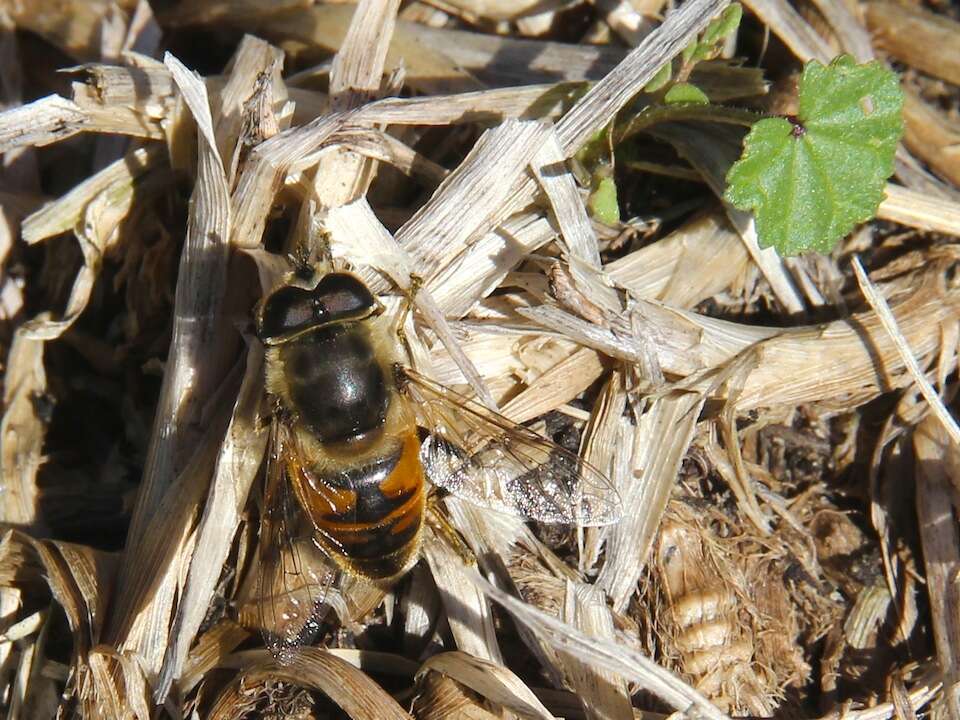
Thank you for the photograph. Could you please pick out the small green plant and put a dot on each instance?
(603, 203)
(810, 179)
(596, 159)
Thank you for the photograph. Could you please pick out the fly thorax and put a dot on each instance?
(334, 383)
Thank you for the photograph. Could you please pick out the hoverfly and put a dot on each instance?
(354, 439)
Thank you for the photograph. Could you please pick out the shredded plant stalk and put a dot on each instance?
(734, 485)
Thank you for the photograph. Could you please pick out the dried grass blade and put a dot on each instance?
(917, 37)
(575, 229)
(853, 36)
(597, 108)
(379, 145)
(438, 698)
(243, 446)
(22, 700)
(343, 176)
(702, 258)
(493, 354)
(612, 656)
(845, 362)
(855, 359)
(378, 662)
(477, 11)
(359, 63)
(359, 696)
(912, 173)
(628, 21)
(508, 61)
(100, 691)
(114, 687)
(79, 579)
(920, 210)
(98, 209)
(40, 123)
(902, 346)
(604, 694)
(559, 385)
(931, 135)
(419, 610)
(468, 611)
(192, 374)
(153, 570)
(432, 315)
(938, 492)
(356, 235)
(581, 331)
(149, 89)
(796, 33)
(730, 464)
(491, 106)
(427, 67)
(237, 464)
(209, 652)
(116, 182)
(660, 441)
(24, 628)
(254, 63)
(491, 680)
(924, 691)
(473, 198)
(868, 612)
(22, 431)
(266, 169)
(607, 444)
(494, 537)
(482, 266)
(139, 117)
(135, 688)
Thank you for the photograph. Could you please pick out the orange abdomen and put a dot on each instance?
(368, 517)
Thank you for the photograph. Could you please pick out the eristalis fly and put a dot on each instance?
(354, 439)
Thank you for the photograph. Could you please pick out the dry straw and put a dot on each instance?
(710, 594)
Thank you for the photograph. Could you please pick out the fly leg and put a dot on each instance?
(442, 527)
(416, 282)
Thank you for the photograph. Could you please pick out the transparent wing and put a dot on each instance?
(294, 572)
(485, 458)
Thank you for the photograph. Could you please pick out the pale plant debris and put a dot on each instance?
(880, 307)
(779, 445)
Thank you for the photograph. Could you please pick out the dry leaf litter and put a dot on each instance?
(778, 429)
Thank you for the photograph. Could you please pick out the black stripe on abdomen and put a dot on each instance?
(378, 535)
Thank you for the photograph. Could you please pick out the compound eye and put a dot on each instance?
(287, 311)
(291, 311)
(341, 297)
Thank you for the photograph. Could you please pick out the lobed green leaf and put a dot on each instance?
(810, 181)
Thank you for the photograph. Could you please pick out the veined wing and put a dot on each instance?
(294, 573)
(485, 458)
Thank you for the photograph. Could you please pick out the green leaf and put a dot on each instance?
(708, 44)
(685, 93)
(662, 77)
(596, 150)
(718, 29)
(603, 202)
(809, 181)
